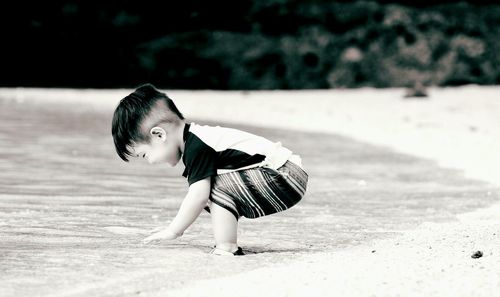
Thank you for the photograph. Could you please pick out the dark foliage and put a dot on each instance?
(260, 44)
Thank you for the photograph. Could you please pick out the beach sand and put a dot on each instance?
(456, 127)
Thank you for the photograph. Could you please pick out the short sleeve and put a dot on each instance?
(200, 160)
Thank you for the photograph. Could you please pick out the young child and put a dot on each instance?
(231, 173)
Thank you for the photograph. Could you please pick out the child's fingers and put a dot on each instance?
(152, 238)
(163, 234)
(149, 240)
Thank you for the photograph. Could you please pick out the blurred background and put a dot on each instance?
(249, 45)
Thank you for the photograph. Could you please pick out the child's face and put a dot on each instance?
(160, 149)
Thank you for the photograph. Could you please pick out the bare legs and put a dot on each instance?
(225, 228)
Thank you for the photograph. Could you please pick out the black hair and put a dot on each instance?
(130, 113)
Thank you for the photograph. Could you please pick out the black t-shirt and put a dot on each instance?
(209, 151)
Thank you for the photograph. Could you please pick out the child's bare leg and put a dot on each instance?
(225, 228)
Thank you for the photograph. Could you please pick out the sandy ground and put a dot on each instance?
(433, 260)
(456, 127)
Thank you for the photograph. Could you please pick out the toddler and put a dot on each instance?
(231, 173)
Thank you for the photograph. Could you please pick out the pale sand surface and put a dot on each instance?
(457, 127)
(433, 260)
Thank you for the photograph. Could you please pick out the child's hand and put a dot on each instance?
(160, 234)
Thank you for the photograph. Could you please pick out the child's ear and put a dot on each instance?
(158, 132)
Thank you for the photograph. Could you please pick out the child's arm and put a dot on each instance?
(191, 207)
(196, 199)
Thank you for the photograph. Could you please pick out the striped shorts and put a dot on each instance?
(260, 191)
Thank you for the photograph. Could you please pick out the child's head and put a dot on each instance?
(146, 123)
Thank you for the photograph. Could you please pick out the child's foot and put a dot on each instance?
(220, 252)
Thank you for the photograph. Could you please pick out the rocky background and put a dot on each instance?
(259, 44)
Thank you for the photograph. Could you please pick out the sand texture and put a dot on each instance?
(402, 194)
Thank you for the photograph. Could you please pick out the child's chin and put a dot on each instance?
(172, 164)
